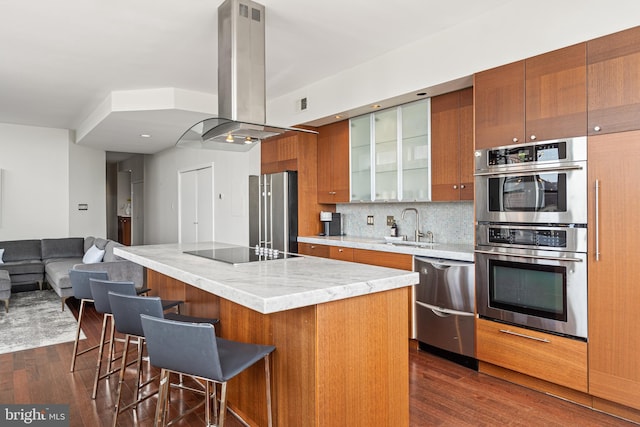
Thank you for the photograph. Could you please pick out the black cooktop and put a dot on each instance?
(240, 255)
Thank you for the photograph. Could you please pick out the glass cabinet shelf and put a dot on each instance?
(390, 154)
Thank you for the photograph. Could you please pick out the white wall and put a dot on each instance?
(491, 39)
(87, 185)
(45, 176)
(231, 187)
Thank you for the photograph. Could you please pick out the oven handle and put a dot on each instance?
(521, 171)
(550, 258)
(443, 312)
(507, 331)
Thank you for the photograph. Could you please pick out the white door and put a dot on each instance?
(196, 205)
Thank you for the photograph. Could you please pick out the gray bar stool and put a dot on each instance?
(126, 311)
(99, 292)
(82, 292)
(194, 349)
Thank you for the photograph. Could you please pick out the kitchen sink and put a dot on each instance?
(424, 245)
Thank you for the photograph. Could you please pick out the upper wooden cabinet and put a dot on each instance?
(280, 153)
(614, 294)
(613, 64)
(333, 163)
(297, 151)
(538, 99)
(452, 160)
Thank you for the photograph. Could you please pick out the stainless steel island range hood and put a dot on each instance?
(241, 83)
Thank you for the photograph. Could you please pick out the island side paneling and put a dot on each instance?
(339, 363)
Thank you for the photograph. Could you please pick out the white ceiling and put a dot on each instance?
(62, 62)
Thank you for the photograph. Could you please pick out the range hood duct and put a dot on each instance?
(241, 83)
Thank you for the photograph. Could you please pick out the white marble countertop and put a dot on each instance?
(438, 250)
(268, 286)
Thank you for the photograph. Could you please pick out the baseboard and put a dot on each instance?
(561, 392)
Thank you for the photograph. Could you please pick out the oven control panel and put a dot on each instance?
(528, 237)
(527, 153)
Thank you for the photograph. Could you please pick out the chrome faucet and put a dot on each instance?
(418, 233)
(430, 236)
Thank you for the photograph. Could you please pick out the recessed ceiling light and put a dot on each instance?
(145, 135)
(421, 94)
(376, 106)
(338, 116)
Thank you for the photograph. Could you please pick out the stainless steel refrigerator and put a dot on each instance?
(273, 211)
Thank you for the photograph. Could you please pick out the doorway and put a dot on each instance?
(195, 210)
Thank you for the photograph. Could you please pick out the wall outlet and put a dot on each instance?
(390, 220)
(369, 219)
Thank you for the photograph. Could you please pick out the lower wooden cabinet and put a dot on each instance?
(124, 230)
(552, 358)
(313, 249)
(340, 253)
(363, 256)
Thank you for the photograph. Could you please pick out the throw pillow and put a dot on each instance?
(1, 254)
(93, 255)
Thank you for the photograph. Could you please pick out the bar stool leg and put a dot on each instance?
(105, 319)
(75, 344)
(123, 367)
(161, 406)
(268, 377)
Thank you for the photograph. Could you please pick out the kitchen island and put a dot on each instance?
(339, 329)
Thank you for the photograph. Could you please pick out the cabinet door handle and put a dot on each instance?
(455, 187)
(506, 331)
(340, 250)
(597, 128)
(461, 185)
(533, 137)
(597, 218)
(515, 139)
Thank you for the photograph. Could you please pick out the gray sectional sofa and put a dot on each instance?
(35, 261)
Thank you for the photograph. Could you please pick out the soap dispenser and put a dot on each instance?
(394, 229)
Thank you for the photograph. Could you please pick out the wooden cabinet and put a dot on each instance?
(363, 256)
(614, 294)
(613, 67)
(280, 153)
(538, 99)
(297, 151)
(333, 163)
(452, 157)
(549, 357)
(383, 259)
(340, 253)
(313, 249)
(124, 230)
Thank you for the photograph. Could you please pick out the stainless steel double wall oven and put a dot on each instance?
(531, 235)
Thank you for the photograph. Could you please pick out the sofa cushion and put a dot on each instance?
(20, 250)
(70, 247)
(1, 254)
(108, 253)
(24, 267)
(93, 255)
(88, 242)
(57, 272)
(100, 242)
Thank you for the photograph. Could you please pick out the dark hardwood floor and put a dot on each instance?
(442, 393)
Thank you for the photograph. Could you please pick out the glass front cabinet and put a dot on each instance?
(390, 154)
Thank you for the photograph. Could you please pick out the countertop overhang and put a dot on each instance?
(458, 252)
(268, 286)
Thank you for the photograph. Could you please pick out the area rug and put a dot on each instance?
(35, 320)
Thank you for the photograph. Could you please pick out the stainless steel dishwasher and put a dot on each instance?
(444, 308)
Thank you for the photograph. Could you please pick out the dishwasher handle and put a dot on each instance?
(443, 312)
(443, 264)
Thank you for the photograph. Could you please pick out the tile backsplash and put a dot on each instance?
(449, 222)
